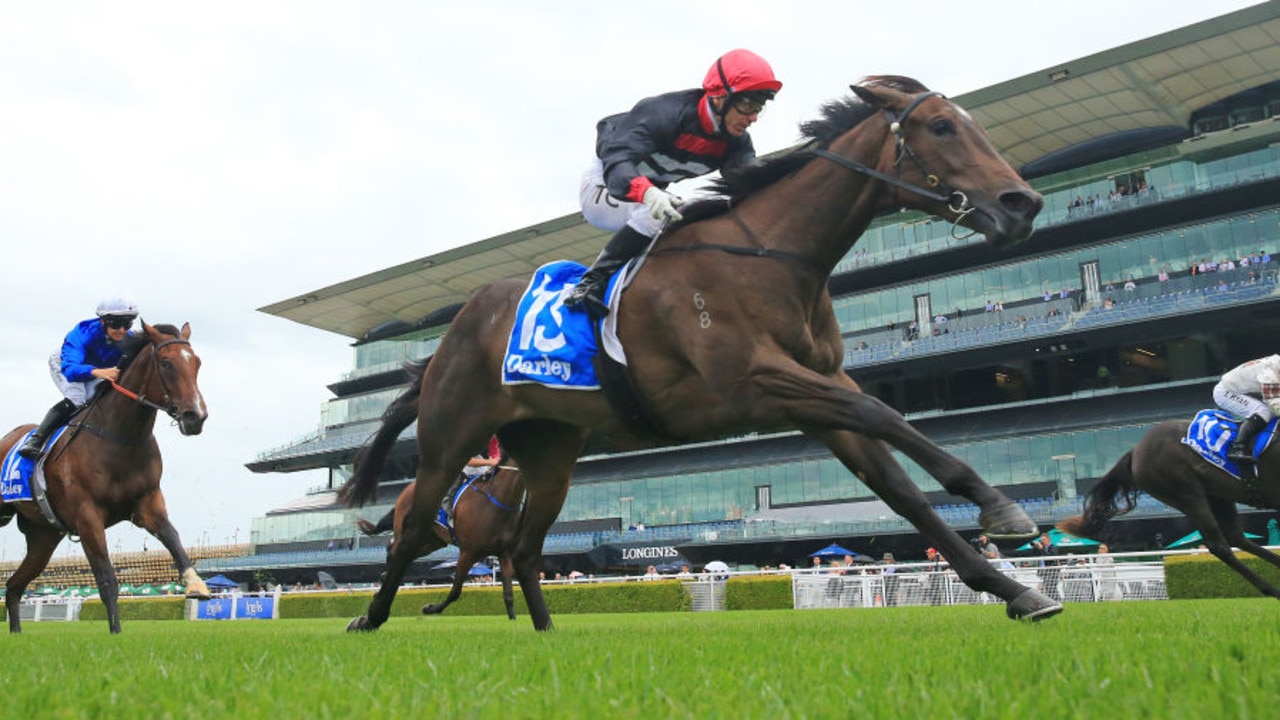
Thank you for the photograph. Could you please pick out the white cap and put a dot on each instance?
(117, 306)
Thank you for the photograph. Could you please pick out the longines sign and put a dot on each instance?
(653, 552)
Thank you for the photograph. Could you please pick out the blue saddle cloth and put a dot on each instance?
(1213, 431)
(551, 344)
(16, 471)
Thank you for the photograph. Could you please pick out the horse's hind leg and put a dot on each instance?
(153, 516)
(41, 542)
(871, 462)
(1229, 520)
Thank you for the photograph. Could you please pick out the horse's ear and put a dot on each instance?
(869, 96)
(186, 331)
(148, 330)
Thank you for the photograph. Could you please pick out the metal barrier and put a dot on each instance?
(1094, 578)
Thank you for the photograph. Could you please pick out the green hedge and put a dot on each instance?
(1205, 576)
(163, 608)
(743, 593)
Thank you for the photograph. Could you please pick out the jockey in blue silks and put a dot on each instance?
(89, 356)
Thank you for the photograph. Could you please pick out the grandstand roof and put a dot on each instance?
(1151, 84)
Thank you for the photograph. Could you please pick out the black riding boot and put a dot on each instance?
(33, 448)
(626, 244)
(1242, 449)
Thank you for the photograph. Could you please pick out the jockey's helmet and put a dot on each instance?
(741, 72)
(118, 308)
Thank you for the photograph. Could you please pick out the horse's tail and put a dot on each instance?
(372, 458)
(1100, 504)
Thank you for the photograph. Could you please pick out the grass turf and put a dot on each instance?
(1181, 659)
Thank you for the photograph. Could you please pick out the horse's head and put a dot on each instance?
(172, 377)
(939, 148)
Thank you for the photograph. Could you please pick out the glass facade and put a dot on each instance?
(1172, 250)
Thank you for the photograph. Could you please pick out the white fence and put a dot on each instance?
(50, 609)
(1136, 576)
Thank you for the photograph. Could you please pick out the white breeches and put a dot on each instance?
(76, 392)
(1239, 404)
(609, 213)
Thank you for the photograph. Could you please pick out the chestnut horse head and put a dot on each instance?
(106, 468)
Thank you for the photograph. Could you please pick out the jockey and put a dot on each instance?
(479, 468)
(1250, 391)
(664, 139)
(88, 356)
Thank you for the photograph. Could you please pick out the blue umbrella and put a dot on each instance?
(480, 569)
(832, 550)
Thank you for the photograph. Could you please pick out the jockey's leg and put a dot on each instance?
(626, 244)
(61, 412)
(1242, 449)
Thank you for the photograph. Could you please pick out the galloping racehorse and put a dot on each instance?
(486, 515)
(106, 467)
(729, 329)
(1162, 466)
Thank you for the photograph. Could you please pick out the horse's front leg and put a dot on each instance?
(93, 538)
(1228, 529)
(812, 400)
(153, 516)
(871, 461)
(41, 542)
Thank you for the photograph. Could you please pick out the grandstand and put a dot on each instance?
(154, 567)
(1036, 365)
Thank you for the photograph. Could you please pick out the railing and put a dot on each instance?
(1066, 578)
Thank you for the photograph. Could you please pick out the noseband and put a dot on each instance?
(168, 408)
(955, 200)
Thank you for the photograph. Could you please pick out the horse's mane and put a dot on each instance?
(838, 117)
(133, 343)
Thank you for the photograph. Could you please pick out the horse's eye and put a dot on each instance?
(942, 126)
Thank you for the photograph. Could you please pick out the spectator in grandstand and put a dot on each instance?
(1250, 391)
(665, 139)
(88, 357)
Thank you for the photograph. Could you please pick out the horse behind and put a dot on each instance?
(106, 467)
(485, 519)
(729, 329)
(1173, 473)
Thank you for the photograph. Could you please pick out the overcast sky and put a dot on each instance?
(209, 159)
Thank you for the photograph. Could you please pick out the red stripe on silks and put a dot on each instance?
(639, 185)
(702, 146)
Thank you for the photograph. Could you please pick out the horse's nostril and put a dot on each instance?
(1022, 202)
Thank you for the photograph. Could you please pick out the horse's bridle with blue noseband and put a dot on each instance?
(955, 200)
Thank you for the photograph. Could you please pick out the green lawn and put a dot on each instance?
(1180, 659)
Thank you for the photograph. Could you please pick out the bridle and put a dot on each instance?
(168, 407)
(955, 200)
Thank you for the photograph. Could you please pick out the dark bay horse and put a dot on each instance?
(106, 468)
(1173, 473)
(729, 329)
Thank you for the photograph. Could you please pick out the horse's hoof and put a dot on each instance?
(431, 609)
(1032, 605)
(1008, 521)
(199, 592)
(360, 624)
